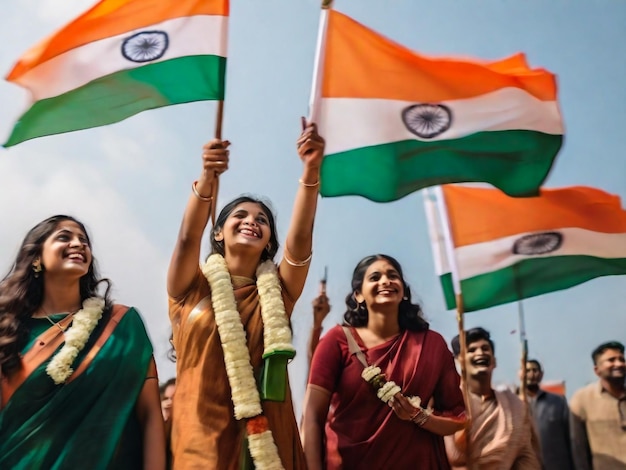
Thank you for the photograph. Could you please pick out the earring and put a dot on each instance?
(37, 268)
(405, 298)
(269, 248)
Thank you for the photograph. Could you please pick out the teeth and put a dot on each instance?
(249, 232)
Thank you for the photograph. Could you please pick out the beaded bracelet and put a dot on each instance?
(198, 195)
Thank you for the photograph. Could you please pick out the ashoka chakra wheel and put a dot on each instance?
(145, 46)
(538, 243)
(427, 120)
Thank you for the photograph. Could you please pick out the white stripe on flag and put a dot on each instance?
(193, 35)
(493, 255)
(349, 123)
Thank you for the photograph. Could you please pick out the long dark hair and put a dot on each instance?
(218, 247)
(21, 291)
(410, 315)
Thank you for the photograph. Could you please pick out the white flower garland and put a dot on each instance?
(386, 390)
(83, 324)
(276, 335)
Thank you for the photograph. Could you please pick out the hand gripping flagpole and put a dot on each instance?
(456, 284)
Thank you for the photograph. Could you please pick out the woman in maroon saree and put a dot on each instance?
(361, 430)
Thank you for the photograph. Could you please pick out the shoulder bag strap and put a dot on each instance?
(353, 347)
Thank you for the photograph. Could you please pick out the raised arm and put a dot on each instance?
(297, 250)
(186, 256)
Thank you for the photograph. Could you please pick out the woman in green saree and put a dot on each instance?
(78, 381)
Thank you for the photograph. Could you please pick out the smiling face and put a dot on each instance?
(480, 359)
(611, 366)
(382, 286)
(247, 226)
(66, 251)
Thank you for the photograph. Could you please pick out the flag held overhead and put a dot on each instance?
(120, 58)
(395, 121)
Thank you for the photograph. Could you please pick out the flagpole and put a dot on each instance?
(524, 343)
(460, 311)
(521, 324)
(218, 135)
(318, 65)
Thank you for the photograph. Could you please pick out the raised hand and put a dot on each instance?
(214, 162)
(321, 308)
(310, 145)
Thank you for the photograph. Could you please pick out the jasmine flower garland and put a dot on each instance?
(386, 390)
(83, 324)
(277, 336)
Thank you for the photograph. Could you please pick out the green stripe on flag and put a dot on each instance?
(122, 94)
(516, 161)
(536, 276)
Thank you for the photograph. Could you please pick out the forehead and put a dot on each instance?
(481, 343)
(69, 226)
(610, 354)
(532, 365)
(250, 208)
(381, 266)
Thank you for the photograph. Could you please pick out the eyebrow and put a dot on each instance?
(66, 230)
(245, 211)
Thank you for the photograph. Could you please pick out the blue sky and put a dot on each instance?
(129, 182)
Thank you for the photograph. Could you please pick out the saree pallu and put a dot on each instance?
(205, 433)
(88, 422)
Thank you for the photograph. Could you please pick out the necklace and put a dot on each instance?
(57, 323)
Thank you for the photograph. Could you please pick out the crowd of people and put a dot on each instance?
(79, 385)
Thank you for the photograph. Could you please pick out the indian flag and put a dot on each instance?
(395, 121)
(506, 249)
(119, 58)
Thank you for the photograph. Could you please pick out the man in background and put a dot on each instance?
(551, 417)
(502, 436)
(598, 413)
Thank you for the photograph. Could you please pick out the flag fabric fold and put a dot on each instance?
(395, 121)
(120, 58)
(508, 249)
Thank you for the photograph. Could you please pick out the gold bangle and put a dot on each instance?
(421, 416)
(309, 185)
(297, 264)
(198, 195)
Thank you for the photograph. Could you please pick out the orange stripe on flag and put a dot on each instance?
(360, 63)
(479, 215)
(110, 18)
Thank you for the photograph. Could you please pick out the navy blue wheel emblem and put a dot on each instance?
(427, 120)
(145, 46)
(538, 243)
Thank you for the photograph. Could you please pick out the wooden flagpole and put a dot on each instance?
(521, 324)
(218, 135)
(460, 312)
